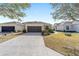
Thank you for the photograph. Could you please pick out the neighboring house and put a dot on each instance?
(67, 26)
(11, 27)
(36, 26)
(58, 26)
(76, 25)
(28, 26)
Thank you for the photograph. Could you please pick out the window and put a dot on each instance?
(67, 27)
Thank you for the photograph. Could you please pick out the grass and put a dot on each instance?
(66, 45)
(9, 36)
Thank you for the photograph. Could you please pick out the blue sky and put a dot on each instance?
(37, 12)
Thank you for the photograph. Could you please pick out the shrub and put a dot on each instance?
(24, 31)
(68, 34)
(19, 31)
(51, 30)
(46, 32)
(42, 32)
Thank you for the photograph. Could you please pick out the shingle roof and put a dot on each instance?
(9, 22)
(37, 22)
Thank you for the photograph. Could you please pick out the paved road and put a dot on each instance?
(29, 44)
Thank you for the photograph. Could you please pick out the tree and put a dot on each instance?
(65, 11)
(13, 10)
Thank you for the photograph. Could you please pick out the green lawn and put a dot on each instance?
(67, 45)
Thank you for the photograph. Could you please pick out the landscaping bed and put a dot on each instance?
(63, 43)
(8, 36)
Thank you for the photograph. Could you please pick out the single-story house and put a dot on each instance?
(67, 26)
(36, 26)
(28, 26)
(11, 27)
(58, 26)
(76, 25)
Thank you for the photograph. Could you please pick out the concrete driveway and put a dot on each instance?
(29, 44)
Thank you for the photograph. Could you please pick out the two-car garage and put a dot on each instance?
(35, 26)
(8, 28)
(34, 29)
(11, 27)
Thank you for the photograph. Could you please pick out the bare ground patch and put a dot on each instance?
(6, 37)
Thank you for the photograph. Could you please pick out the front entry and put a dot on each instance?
(34, 29)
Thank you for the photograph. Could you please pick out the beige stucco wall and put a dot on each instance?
(18, 26)
(37, 24)
(0, 28)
